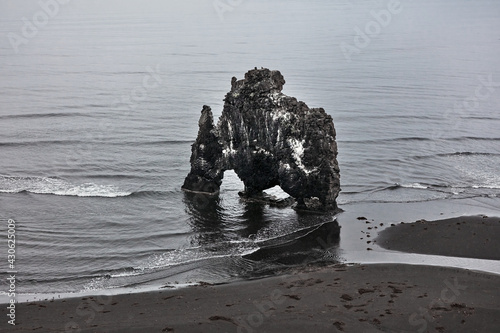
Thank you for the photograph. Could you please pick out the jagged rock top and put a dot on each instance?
(260, 81)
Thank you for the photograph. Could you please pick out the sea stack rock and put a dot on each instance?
(268, 139)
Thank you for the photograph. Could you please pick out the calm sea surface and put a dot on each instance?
(99, 104)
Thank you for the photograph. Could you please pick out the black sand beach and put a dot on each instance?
(339, 298)
(465, 236)
(364, 298)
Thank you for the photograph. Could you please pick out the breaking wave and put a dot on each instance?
(56, 186)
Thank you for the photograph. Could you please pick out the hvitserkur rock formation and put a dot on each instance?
(268, 139)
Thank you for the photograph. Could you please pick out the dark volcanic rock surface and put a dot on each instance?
(268, 139)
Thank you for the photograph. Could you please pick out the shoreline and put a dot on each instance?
(367, 249)
(375, 298)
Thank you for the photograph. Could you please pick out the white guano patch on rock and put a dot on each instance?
(280, 112)
(229, 150)
(276, 97)
(298, 152)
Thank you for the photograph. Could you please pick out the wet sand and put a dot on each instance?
(465, 236)
(337, 298)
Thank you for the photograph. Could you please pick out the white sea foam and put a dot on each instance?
(177, 257)
(414, 185)
(185, 256)
(56, 186)
(497, 186)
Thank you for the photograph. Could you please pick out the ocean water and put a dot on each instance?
(99, 104)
